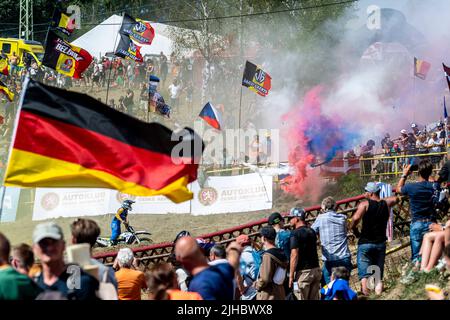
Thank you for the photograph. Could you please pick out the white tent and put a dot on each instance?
(104, 38)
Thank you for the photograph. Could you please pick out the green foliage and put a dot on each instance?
(346, 186)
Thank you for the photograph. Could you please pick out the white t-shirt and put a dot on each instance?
(433, 143)
(174, 91)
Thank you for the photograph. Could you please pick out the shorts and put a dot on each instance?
(370, 255)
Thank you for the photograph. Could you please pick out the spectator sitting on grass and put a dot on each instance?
(338, 288)
(432, 246)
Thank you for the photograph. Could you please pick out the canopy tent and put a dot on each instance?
(102, 38)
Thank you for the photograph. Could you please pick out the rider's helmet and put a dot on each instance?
(181, 234)
(126, 204)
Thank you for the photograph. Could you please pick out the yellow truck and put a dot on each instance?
(26, 50)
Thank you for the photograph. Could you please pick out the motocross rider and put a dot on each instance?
(120, 217)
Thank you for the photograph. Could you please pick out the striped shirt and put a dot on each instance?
(332, 229)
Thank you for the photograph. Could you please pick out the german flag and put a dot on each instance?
(138, 30)
(64, 57)
(127, 49)
(62, 22)
(256, 79)
(4, 65)
(68, 139)
(4, 89)
(421, 68)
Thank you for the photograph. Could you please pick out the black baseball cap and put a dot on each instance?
(275, 218)
(268, 232)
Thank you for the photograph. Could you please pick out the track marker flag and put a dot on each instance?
(138, 30)
(256, 79)
(447, 74)
(62, 22)
(421, 68)
(64, 57)
(4, 89)
(68, 139)
(212, 116)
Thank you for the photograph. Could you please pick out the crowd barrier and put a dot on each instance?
(393, 165)
(150, 255)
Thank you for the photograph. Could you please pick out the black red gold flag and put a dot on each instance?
(62, 22)
(68, 139)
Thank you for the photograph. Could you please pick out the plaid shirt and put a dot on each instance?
(332, 228)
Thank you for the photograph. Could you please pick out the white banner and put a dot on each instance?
(244, 193)
(148, 205)
(70, 202)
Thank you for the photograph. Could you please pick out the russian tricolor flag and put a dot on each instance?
(212, 116)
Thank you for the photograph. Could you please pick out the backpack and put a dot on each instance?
(257, 257)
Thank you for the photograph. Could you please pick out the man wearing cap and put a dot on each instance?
(332, 229)
(304, 262)
(69, 280)
(282, 240)
(374, 214)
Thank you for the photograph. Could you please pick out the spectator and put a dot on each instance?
(130, 282)
(443, 175)
(438, 293)
(164, 69)
(163, 285)
(338, 288)
(304, 263)
(435, 144)
(282, 239)
(422, 143)
(273, 268)
(367, 152)
(87, 231)
(129, 101)
(420, 203)
(48, 246)
(432, 245)
(174, 91)
(217, 254)
(14, 285)
(183, 277)
(374, 214)
(22, 258)
(211, 282)
(332, 229)
(249, 267)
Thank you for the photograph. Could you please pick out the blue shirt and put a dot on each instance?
(214, 283)
(420, 199)
(332, 229)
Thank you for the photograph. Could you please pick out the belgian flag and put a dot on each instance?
(4, 65)
(256, 79)
(127, 49)
(4, 89)
(62, 22)
(68, 139)
(421, 68)
(64, 57)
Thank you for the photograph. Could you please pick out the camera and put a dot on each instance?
(415, 164)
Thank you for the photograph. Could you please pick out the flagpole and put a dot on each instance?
(3, 199)
(110, 66)
(239, 125)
